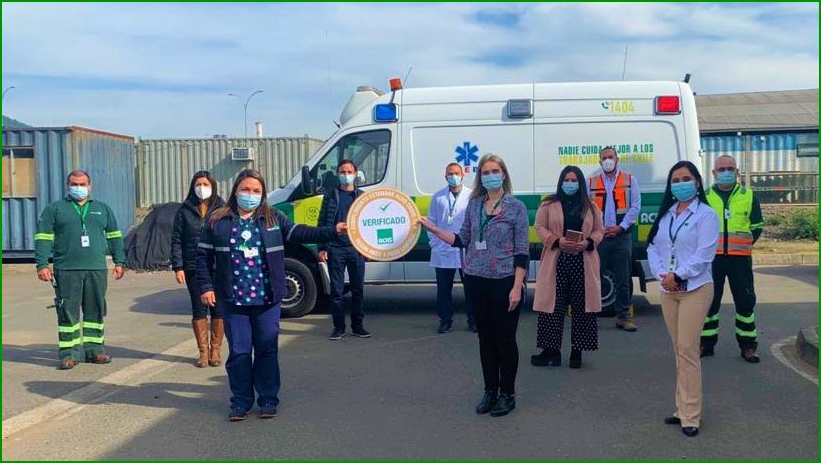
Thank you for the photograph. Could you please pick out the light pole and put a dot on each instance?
(245, 105)
(6, 91)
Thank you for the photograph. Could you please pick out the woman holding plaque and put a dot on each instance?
(494, 236)
(681, 246)
(241, 270)
(570, 227)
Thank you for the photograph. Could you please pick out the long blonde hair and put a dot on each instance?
(478, 189)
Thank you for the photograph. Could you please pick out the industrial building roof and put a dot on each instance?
(758, 111)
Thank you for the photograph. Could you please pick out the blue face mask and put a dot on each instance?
(78, 193)
(725, 178)
(346, 179)
(570, 188)
(684, 191)
(248, 202)
(492, 181)
(454, 180)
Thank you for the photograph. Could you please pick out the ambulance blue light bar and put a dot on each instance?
(385, 112)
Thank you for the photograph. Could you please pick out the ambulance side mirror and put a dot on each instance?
(308, 185)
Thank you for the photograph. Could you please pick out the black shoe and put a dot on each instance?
(337, 334)
(690, 431)
(672, 420)
(488, 402)
(472, 327)
(444, 327)
(575, 359)
(547, 358)
(360, 332)
(749, 355)
(506, 404)
(706, 352)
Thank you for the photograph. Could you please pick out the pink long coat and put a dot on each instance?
(549, 226)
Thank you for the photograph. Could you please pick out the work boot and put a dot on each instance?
(627, 325)
(217, 334)
(749, 355)
(201, 335)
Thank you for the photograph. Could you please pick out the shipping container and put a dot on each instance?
(36, 162)
(165, 166)
(780, 171)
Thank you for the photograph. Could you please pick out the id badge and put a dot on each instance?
(671, 265)
(727, 214)
(481, 245)
(249, 253)
(450, 219)
(84, 241)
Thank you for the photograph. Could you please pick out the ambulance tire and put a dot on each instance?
(608, 297)
(301, 292)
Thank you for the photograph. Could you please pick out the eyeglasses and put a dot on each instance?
(725, 169)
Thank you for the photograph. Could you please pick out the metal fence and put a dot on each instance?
(165, 166)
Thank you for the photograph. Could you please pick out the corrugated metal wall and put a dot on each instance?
(776, 172)
(165, 166)
(108, 158)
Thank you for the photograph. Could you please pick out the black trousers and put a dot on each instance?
(739, 270)
(497, 326)
(615, 255)
(198, 309)
(584, 330)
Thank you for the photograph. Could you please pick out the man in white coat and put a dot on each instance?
(447, 211)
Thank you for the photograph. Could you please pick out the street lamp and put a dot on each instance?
(6, 91)
(245, 105)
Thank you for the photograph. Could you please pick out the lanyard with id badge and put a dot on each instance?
(483, 221)
(671, 265)
(452, 206)
(84, 239)
(247, 251)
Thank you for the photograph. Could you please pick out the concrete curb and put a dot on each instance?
(785, 259)
(807, 345)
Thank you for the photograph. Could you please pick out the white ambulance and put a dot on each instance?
(404, 139)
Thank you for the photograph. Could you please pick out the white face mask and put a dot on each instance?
(202, 192)
(608, 165)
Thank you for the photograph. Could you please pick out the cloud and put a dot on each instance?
(164, 70)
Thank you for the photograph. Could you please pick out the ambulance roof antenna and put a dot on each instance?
(624, 66)
(405, 80)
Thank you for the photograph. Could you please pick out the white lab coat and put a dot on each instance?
(443, 255)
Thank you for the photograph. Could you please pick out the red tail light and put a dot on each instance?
(668, 104)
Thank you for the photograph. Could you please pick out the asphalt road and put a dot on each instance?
(406, 393)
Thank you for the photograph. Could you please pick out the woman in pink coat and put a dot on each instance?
(570, 227)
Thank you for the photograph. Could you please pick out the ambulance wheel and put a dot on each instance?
(608, 295)
(300, 290)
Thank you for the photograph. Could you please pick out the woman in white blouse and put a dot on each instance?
(681, 246)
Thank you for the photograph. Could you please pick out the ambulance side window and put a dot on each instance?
(368, 150)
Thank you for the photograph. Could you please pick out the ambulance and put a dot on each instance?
(405, 137)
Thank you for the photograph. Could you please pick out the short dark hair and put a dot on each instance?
(609, 148)
(78, 173)
(346, 161)
(454, 164)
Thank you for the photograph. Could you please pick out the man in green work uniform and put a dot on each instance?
(79, 230)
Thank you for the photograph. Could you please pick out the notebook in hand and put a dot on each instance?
(574, 236)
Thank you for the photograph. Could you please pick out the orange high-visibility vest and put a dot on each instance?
(621, 193)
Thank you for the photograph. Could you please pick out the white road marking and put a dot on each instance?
(775, 349)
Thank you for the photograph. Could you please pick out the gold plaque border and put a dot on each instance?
(364, 247)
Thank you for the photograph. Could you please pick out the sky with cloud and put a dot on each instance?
(165, 70)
